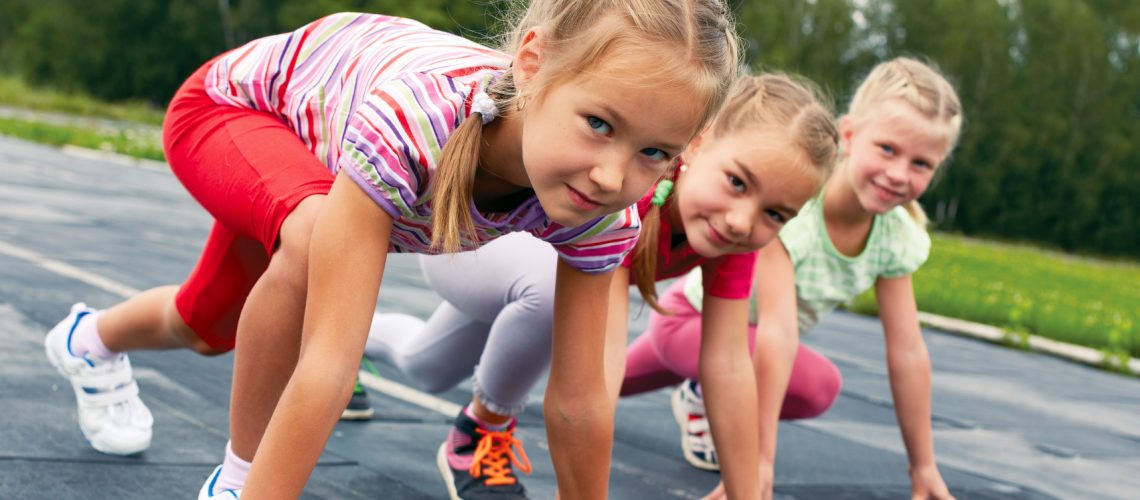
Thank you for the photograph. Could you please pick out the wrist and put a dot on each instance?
(921, 466)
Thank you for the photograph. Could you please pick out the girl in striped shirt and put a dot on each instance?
(321, 150)
(765, 154)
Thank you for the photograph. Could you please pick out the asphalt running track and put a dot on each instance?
(73, 227)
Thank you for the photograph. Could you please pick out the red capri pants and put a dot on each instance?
(249, 170)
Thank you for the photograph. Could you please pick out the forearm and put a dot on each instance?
(729, 391)
(300, 427)
(909, 371)
(578, 409)
(773, 358)
(579, 426)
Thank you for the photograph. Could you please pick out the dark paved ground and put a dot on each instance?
(1007, 424)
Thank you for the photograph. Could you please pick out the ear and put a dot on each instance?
(846, 130)
(698, 140)
(528, 58)
(695, 144)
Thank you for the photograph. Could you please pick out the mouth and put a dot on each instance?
(581, 201)
(887, 194)
(718, 239)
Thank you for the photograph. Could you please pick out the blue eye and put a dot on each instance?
(598, 125)
(777, 216)
(736, 182)
(655, 154)
(887, 149)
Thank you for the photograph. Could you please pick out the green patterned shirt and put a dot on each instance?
(825, 278)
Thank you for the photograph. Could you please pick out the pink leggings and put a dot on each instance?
(668, 352)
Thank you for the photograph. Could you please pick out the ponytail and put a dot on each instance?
(645, 251)
(453, 186)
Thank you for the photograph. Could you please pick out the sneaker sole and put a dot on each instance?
(357, 414)
(445, 471)
(99, 445)
(681, 416)
(108, 449)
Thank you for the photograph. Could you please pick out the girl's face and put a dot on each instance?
(739, 189)
(892, 156)
(593, 145)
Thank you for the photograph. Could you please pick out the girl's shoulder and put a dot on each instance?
(802, 235)
(905, 242)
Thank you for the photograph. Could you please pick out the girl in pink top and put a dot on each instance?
(736, 185)
(320, 151)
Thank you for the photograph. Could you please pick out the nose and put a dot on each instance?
(896, 171)
(738, 222)
(609, 173)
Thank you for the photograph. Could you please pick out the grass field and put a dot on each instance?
(1071, 299)
(1020, 288)
(140, 143)
(15, 93)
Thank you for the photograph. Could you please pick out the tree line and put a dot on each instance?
(1050, 88)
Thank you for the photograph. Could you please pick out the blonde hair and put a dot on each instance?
(771, 101)
(580, 34)
(922, 86)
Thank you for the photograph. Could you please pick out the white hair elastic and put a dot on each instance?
(483, 104)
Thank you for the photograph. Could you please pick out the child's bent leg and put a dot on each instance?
(256, 177)
(149, 320)
(509, 285)
(813, 387)
(503, 293)
(667, 351)
(269, 331)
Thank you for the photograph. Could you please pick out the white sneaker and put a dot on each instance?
(696, 435)
(207, 492)
(111, 415)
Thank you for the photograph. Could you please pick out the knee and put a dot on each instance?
(177, 328)
(196, 344)
(813, 395)
(192, 340)
(428, 378)
(290, 262)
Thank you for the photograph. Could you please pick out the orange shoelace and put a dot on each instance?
(494, 455)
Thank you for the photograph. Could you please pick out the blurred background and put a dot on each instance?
(1036, 218)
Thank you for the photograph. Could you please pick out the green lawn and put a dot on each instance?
(140, 143)
(15, 93)
(1071, 299)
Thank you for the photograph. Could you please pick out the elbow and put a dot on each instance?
(812, 390)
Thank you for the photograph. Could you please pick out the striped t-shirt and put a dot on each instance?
(378, 97)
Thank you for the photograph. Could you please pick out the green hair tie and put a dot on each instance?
(661, 192)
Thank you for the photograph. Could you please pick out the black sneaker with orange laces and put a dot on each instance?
(476, 463)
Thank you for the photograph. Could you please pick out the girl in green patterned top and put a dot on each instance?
(864, 229)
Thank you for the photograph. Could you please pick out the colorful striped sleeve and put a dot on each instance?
(393, 139)
(598, 246)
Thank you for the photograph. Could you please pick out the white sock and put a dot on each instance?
(86, 340)
(234, 471)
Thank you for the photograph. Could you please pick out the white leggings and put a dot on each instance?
(496, 320)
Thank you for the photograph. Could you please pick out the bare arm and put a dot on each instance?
(908, 365)
(579, 412)
(617, 332)
(729, 389)
(777, 339)
(346, 260)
